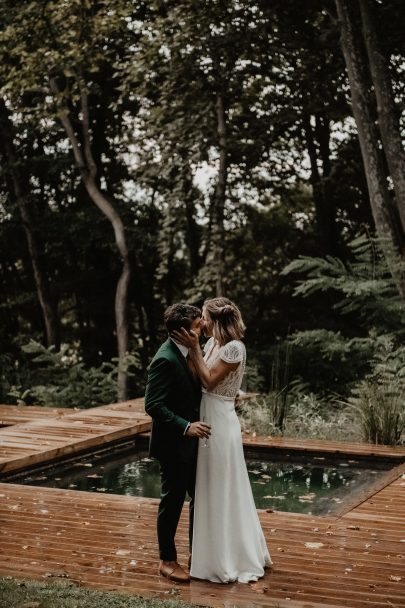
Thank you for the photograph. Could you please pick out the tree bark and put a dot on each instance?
(387, 111)
(85, 163)
(317, 139)
(192, 230)
(219, 200)
(384, 211)
(121, 295)
(22, 193)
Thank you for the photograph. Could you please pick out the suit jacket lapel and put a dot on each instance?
(179, 355)
(194, 379)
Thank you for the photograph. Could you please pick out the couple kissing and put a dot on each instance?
(196, 438)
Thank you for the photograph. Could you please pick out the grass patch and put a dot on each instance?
(54, 594)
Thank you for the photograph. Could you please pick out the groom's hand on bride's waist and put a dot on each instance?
(199, 429)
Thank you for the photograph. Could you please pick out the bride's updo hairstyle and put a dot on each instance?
(227, 322)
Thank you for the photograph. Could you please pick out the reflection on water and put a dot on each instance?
(305, 487)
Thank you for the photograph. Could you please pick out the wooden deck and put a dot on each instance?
(326, 448)
(355, 559)
(20, 414)
(31, 436)
(108, 542)
(66, 432)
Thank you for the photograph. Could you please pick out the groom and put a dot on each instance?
(172, 399)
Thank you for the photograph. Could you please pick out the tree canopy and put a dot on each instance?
(173, 150)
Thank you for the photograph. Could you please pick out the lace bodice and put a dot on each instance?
(232, 352)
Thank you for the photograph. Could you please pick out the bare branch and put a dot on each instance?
(92, 167)
(67, 124)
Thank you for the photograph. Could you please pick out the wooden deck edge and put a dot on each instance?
(267, 445)
(358, 498)
(76, 448)
(332, 449)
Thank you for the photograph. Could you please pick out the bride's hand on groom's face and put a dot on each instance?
(187, 338)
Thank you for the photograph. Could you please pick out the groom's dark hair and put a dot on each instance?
(180, 315)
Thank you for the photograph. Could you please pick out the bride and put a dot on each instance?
(228, 541)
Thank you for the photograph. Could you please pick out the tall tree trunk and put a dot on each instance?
(121, 294)
(22, 193)
(85, 163)
(167, 251)
(192, 229)
(317, 139)
(387, 111)
(219, 201)
(192, 233)
(384, 211)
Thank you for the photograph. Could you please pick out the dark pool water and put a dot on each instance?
(306, 487)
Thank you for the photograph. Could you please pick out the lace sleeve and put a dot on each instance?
(232, 352)
(207, 345)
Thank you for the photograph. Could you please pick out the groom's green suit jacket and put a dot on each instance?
(172, 399)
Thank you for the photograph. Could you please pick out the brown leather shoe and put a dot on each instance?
(174, 572)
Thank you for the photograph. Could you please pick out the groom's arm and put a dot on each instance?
(158, 388)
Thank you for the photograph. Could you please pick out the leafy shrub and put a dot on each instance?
(60, 379)
(7, 374)
(379, 399)
(380, 407)
(307, 417)
(313, 418)
(257, 415)
(363, 290)
(330, 362)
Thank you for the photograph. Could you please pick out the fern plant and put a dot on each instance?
(366, 290)
(364, 284)
(379, 399)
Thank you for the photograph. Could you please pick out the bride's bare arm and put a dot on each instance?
(209, 377)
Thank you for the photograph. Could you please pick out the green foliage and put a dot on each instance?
(68, 41)
(253, 380)
(7, 373)
(372, 364)
(60, 379)
(307, 417)
(330, 362)
(365, 296)
(379, 399)
(379, 404)
(313, 418)
(152, 71)
(257, 415)
(364, 283)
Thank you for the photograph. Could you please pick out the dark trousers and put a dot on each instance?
(177, 478)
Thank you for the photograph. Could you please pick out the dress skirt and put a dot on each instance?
(228, 541)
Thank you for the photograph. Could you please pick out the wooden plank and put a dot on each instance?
(47, 439)
(354, 560)
(70, 441)
(92, 539)
(325, 448)
(17, 414)
(358, 498)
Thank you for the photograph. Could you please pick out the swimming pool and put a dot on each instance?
(306, 486)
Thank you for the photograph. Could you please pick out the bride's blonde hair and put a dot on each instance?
(227, 322)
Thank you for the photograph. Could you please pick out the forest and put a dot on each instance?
(161, 151)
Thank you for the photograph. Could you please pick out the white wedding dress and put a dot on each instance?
(228, 541)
